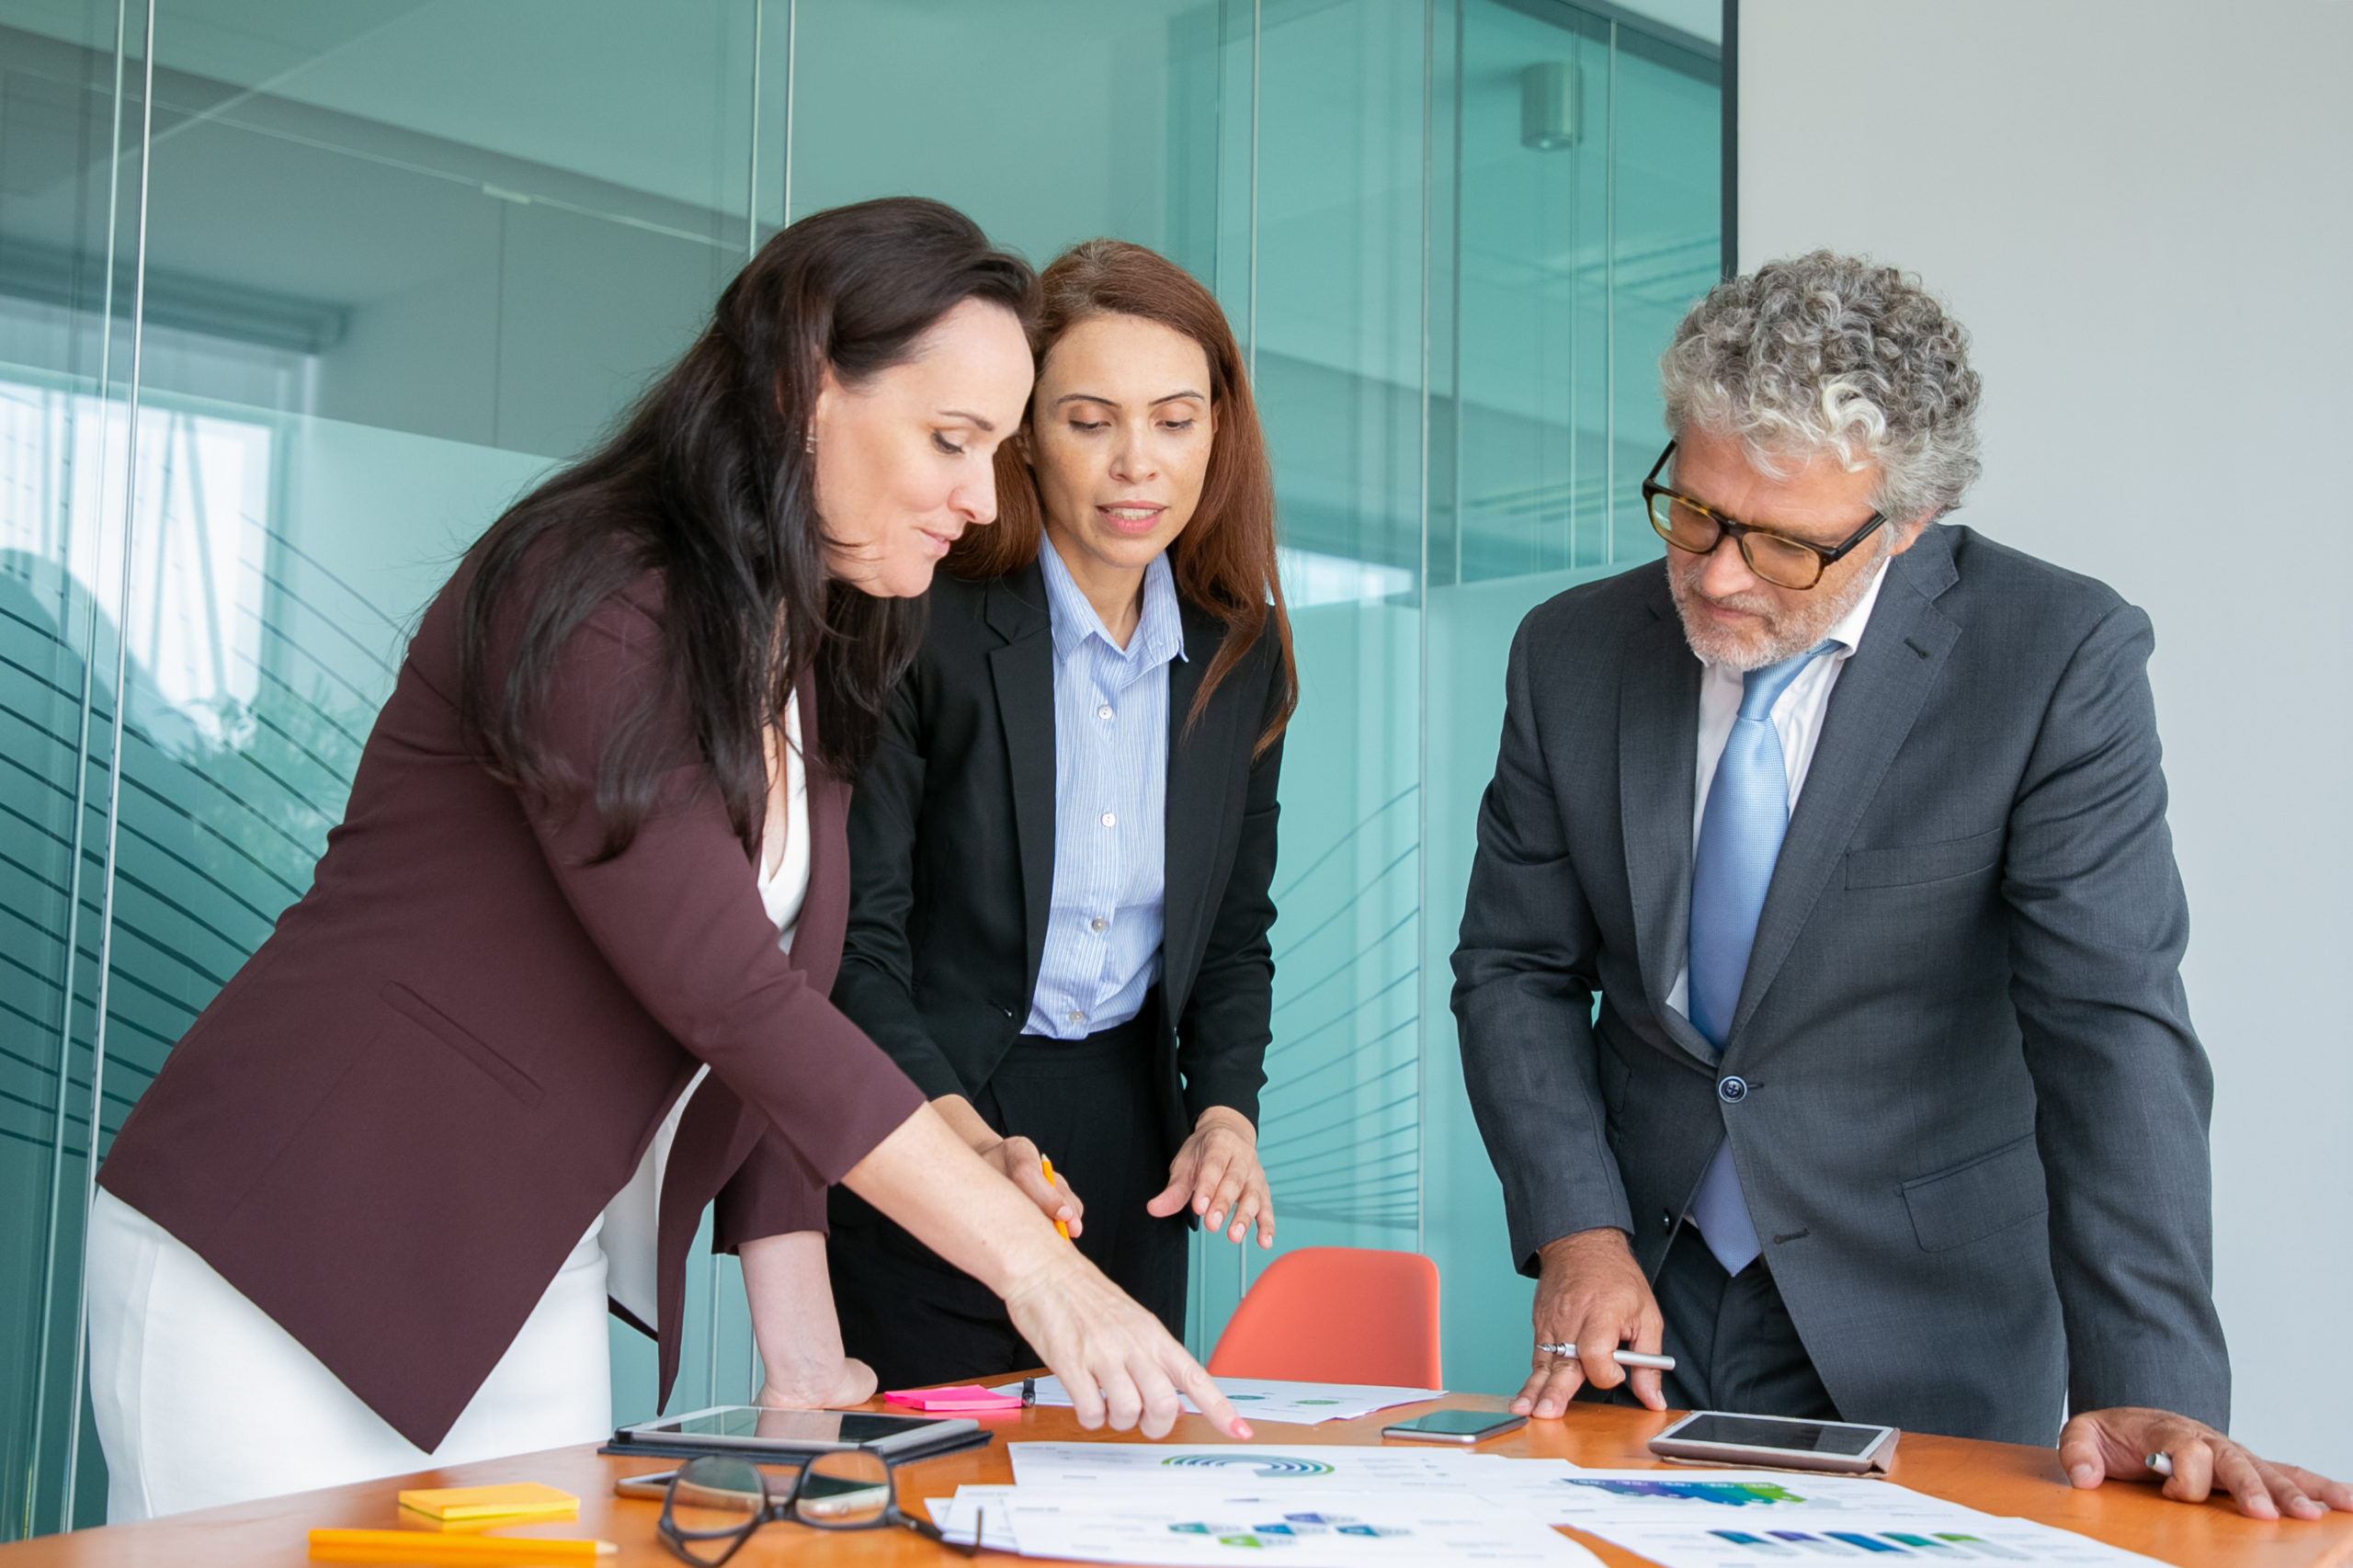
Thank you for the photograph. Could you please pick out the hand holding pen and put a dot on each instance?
(1595, 1323)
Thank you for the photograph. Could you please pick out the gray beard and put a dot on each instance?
(1784, 639)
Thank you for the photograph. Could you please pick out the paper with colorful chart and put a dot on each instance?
(1337, 1466)
(1669, 1496)
(1315, 1504)
(1328, 1529)
(1269, 1399)
(1861, 1538)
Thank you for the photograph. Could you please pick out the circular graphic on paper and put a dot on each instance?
(1266, 1467)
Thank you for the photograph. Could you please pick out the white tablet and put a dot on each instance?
(1714, 1436)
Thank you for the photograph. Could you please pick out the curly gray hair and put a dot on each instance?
(1827, 352)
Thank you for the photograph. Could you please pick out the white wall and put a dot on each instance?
(2139, 209)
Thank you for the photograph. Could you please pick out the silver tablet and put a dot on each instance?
(1776, 1442)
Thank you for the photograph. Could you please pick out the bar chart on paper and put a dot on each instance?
(2019, 1542)
(1732, 1518)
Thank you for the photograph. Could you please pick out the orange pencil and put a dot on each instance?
(1048, 1166)
(415, 1546)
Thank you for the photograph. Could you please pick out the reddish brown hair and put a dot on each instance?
(1224, 560)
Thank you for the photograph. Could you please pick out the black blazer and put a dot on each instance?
(951, 837)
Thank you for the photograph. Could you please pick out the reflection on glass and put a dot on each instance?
(401, 256)
(1581, 247)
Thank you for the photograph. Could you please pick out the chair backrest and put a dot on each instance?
(1337, 1315)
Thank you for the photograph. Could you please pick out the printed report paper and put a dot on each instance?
(1859, 1537)
(1148, 1467)
(1588, 1498)
(1330, 1528)
(1268, 1399)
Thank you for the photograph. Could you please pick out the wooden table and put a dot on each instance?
(1994, 1477)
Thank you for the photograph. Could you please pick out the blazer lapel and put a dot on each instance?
(1023, 671)
(1201, 757)
(1658, 750)
(1878, 697)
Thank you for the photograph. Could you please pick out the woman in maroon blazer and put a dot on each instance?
(561, 977)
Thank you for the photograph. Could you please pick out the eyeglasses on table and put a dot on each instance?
(713, 1505)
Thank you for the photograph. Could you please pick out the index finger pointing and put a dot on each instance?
(1210, 1401)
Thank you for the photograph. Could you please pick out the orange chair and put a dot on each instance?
(1337, 1315)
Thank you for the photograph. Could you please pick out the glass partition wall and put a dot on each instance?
(293, 299)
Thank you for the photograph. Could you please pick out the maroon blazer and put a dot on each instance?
(398, 1118)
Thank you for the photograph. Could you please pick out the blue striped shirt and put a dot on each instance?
(1110, 806)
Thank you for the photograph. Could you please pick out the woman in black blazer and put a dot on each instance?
(1062, 850)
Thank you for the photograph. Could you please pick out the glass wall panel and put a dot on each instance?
(1342, 317)
(1589, 221)
(401, 258)
(279, 338)
(70, 158)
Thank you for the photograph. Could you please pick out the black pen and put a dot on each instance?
(1028, 1391)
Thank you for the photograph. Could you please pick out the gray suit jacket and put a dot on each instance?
(1974, 1137)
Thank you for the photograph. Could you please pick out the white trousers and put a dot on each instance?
(202, 1400)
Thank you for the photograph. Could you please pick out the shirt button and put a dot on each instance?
(1097, 924)
(1111, 821)
(1104, 711)
(1732, 1091)
(1076, 1016)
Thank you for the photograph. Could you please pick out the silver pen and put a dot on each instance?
(1623, 1358)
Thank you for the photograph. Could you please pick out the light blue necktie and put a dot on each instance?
(1740, 837)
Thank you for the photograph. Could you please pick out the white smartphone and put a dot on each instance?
(1778, 1442)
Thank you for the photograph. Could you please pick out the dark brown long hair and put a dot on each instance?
(711, 484)
(1224, 560)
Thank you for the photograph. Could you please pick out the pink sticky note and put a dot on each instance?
(969, 1397)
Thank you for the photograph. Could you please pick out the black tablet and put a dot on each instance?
(753, 1430)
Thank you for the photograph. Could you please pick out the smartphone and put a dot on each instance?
(756, 1430)
(1465, 1426)
(1779, 1442)
(840, 1492)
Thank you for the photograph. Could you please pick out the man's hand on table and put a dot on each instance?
(1590, 1293)
(2101, 1445)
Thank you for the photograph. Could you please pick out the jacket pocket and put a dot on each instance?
(1967, 1202)
(1906, 865)
(450, 1032)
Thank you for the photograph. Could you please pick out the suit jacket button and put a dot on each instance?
(1732, 1091)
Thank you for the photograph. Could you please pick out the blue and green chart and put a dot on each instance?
(1750, 1519)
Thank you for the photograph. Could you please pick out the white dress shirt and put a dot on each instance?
(1797, 719)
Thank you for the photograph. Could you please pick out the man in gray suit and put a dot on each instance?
(1819, 982)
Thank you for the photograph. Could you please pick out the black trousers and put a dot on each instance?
(1733, 1344)
(1090, 1107)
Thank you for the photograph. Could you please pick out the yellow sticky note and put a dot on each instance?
(520, 1500)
